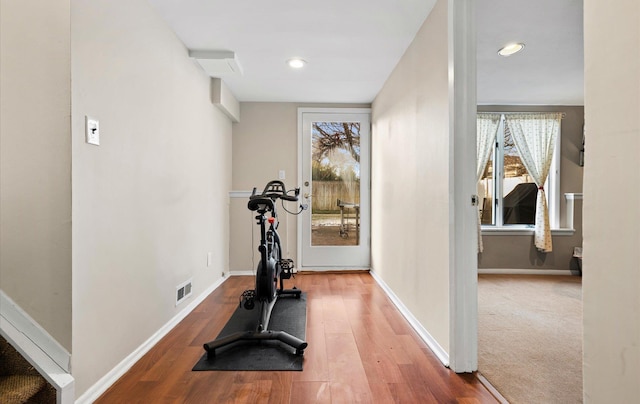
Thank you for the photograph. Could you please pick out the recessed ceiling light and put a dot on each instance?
(510, 49)
(296, 63)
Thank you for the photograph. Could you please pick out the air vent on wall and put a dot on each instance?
(183, 291)
(217, 63)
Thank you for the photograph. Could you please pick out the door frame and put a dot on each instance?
(305, 110)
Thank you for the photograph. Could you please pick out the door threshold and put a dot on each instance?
(494, 392)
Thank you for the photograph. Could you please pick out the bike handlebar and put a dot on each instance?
(276, 190)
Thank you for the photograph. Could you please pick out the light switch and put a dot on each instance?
(92, 130)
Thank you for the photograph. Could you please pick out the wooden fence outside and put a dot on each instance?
(325, 195)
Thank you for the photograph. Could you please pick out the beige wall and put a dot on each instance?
(151, 201)
(264, 142)
(519, 252)
(611, 276)
(410, 178)
(35, 162)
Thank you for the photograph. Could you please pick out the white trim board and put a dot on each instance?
(240, 194)
(62, 381)
(37, 335)
(333, 269)
(120, 369)
(413, 321)
(511, 271)
(463, 215)
(247, 272)
(488, 230)
(38, 347)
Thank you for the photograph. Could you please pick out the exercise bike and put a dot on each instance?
(272, 269)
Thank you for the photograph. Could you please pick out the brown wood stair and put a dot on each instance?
(20, 382)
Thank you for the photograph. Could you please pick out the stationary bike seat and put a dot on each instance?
(260, 204)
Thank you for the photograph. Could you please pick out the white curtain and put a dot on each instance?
(486, 128)
(535, 137)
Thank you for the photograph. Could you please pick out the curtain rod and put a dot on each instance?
(564, 114)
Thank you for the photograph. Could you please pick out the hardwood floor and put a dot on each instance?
(361, 350)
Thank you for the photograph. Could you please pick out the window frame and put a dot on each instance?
(551, 186)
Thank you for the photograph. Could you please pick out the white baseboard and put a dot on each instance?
(95, 391)
(334, 269)
(242, 273)
(511, 271)
(38, 347)
(422, 332)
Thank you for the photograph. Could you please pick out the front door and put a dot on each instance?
(334, 165)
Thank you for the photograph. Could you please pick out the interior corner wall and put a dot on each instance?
(611, 273)
(151, 201)
(411, 193)
(265, 141)
(519, 252)
(35, 162)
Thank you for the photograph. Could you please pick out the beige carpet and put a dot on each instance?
(530, 337)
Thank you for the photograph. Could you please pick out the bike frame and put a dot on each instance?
(267, 275)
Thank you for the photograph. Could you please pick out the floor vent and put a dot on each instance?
(183, 291)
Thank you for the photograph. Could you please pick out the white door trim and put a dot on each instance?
(463, 259)
(311, 110)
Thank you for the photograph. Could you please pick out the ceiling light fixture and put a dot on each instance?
(296, 63)
(510, 49)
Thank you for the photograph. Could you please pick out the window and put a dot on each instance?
(507, 191)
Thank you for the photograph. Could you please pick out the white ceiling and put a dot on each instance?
(352, 46)
(550, 69)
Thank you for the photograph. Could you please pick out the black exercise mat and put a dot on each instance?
(289, 314)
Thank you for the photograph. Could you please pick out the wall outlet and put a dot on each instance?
(281, 175)
(209, 258)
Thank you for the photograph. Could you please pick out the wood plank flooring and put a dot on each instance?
(361, 350)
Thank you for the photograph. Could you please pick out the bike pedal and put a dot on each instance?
(248, 294)
(286, 263)
(247, 298)
(287, 268)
